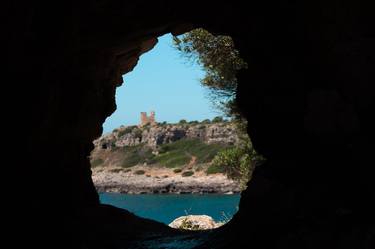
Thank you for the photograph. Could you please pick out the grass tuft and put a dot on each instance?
(187, 173)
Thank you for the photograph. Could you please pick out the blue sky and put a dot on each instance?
(165, 82)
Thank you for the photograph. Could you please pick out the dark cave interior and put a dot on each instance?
(307, 95)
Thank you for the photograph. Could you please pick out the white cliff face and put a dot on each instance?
(161, 134)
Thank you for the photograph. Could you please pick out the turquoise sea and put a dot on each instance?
(165, 208)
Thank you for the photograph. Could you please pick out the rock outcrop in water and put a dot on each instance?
(195, 222)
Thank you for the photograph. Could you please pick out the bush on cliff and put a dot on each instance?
(181, 152)
(139, 154)
(96, 162)
(127, 130)
(187, 173)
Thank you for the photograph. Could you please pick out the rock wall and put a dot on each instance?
(154, 136)
(308, 94)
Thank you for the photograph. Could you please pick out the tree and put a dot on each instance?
(206, 121)
(182, 121)
(219, 59)
(221, 62)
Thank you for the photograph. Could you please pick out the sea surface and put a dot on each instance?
(165, 208)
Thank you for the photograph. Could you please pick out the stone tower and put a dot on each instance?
(152, 118)
(147, 120)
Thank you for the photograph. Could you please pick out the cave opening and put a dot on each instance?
(190, 156)
(308, 95)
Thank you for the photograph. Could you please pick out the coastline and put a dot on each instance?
(160, 181)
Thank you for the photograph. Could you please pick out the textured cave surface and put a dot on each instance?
(308, 95)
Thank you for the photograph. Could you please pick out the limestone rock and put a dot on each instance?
(194, 222)
(161, 134)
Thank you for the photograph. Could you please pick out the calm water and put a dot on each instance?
(165, 208)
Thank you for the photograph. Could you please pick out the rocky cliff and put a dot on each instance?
(163, 158)
(153, 136)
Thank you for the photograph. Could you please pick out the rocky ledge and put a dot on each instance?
(158, 134)
(160, 181)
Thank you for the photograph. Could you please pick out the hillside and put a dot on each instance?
(133, 158)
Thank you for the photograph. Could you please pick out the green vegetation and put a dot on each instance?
(214, 169)
(199, 168)
(221, 62)
(187, 173)
(237, 162)
(127, 130)
(97, 162)
(177, 170)
(116, 170)
(139, 154)
(230, 161)
(139, 172)
(217, 119)
(202, 127)
(194, 122)
(113, 145)
(187, 224)
(137, 132)
(180, 152)
(171, 155)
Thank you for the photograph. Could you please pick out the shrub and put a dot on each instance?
(177, 170)
(187, 173)
(96, 162)
(182, 121)
(206, 121)
(201, 127)
(113, 145)
(137, 132)
(127, 130)
(188, 225)
(115, 170)
(199, 168)
(236, 163)
(217, 119)
(194, 122)
(139, 154)
(180, 152)
(229, 160)
(139, 172)
(213, 169)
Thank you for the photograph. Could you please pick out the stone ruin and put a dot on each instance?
(145, 120)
